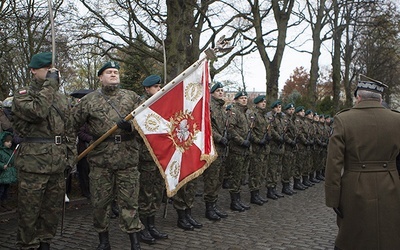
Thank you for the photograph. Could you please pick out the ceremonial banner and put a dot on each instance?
(176, 127)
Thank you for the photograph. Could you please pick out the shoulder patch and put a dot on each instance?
(343, 110)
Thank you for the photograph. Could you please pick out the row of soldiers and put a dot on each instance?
(268, 147)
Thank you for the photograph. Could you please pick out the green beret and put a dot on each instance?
(239, 94)
(259, 99)
(289, 105)
(321, 116)
(308, 111)
(299, 108)
(108, 65)
(216, 86)
(151, 80)
(327, 116)
(40, 60)
(276, 103)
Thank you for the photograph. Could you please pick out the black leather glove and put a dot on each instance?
(246, 144)
(124, 125)
(224, 141)
(293, 143)
(281, 139)
(263, 142)
(268, 138)
(53, 73)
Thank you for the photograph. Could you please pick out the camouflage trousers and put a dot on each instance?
(288, 164)
(152, 188)
(316, 160)
(40, 201)
(237, 166)
(304, 160)
(323, 161)
(184, 198)
(274, 170)
(213, 177)
(257, 169)
(105, 186)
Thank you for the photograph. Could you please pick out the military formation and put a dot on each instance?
(256, 146)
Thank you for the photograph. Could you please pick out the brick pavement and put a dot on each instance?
(298, 222)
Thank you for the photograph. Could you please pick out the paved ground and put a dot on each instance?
(298, 222)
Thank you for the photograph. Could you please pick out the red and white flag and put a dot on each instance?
(176, 127)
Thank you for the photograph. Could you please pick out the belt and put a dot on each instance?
(116, 138)
(58, 139)
(371, 166)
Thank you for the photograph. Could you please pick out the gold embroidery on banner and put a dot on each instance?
(183, 130)
(174, 169)
(193, 91)
(152, 122)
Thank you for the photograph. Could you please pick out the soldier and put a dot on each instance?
(361, 182)
(258, 160)
(151, 182)
(274, 171)
(214, 174)
(308, 131)
(302, 147)
(324, 144)
(316, 157)
(114, 162)
(239, 149)
(289, 157)
(41, 115)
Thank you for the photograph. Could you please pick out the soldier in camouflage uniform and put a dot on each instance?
(308, 129)
(151, 182)
(114, 162)
(301, 153)
(323, 147)
(41, 115)
(239, 149)
(214, 174)
(274, 171)
(258, 160)
(289, 157)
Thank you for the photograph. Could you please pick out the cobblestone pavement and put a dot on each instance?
(301, 221)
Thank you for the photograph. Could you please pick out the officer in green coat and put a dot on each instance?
(114, 162)
(41, 115)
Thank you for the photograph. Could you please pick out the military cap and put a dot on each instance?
(40, 60)
(299, 108)
(369, 84)
(108, 65)
(321, 116)
(239, 94)
(308, 111)
(327, 116)
(259, 99)
(151, 80)
(216, 86)
(276, 103)
(315, 114)
(289, 105)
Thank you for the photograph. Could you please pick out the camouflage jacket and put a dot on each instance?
(309, 131)
(40, 111)
(278, 128)
(239, 126)
(291, 132)
(261, 130)
(218, 122)
(97, 110)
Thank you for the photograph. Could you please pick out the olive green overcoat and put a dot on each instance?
(361, 177)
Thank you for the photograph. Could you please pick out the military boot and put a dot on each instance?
(286, 189)
(218, 211)
(312, 178)
(182, 221)
(104, 241)
(44, 246)
(262, 198)
(320, 176)
(255, 198)
(235, 206)
(271, 194)
(245, 206)
(191, 220)
(145, 235)
(153, 230)
(135, 244)
(279, 195)
(297, 185)
(210, 212)
(306, 182)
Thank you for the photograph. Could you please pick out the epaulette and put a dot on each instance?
(343, 110)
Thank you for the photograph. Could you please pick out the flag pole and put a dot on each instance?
(208, 54)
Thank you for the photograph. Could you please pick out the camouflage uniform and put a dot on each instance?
(301, 152)
(114, 162)
(289, 157)
(306, 158)
(41, 115)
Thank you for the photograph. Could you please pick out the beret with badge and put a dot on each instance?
(289, 106)
(108, 65)
(309, 111)
(276, 103)
(216, 86)
(299, 108)
(151, 80)
(40, 60)
(239, 94)
(369, 84)
(259, 99)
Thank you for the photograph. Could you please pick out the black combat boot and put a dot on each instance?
(153, 230)
(262, 198)
(191, 220)
(279, 195)
(104, 242)
(271, 194)
(245, 206)
(286, 189)
(297, 185)
(210, 212)
(135, 244)
(182, 221)
(145, 235)
(44, 246)
(320, 176)
(220, 213)
(306, 182)
(312, 178)
(255, 198)
(235, 206)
